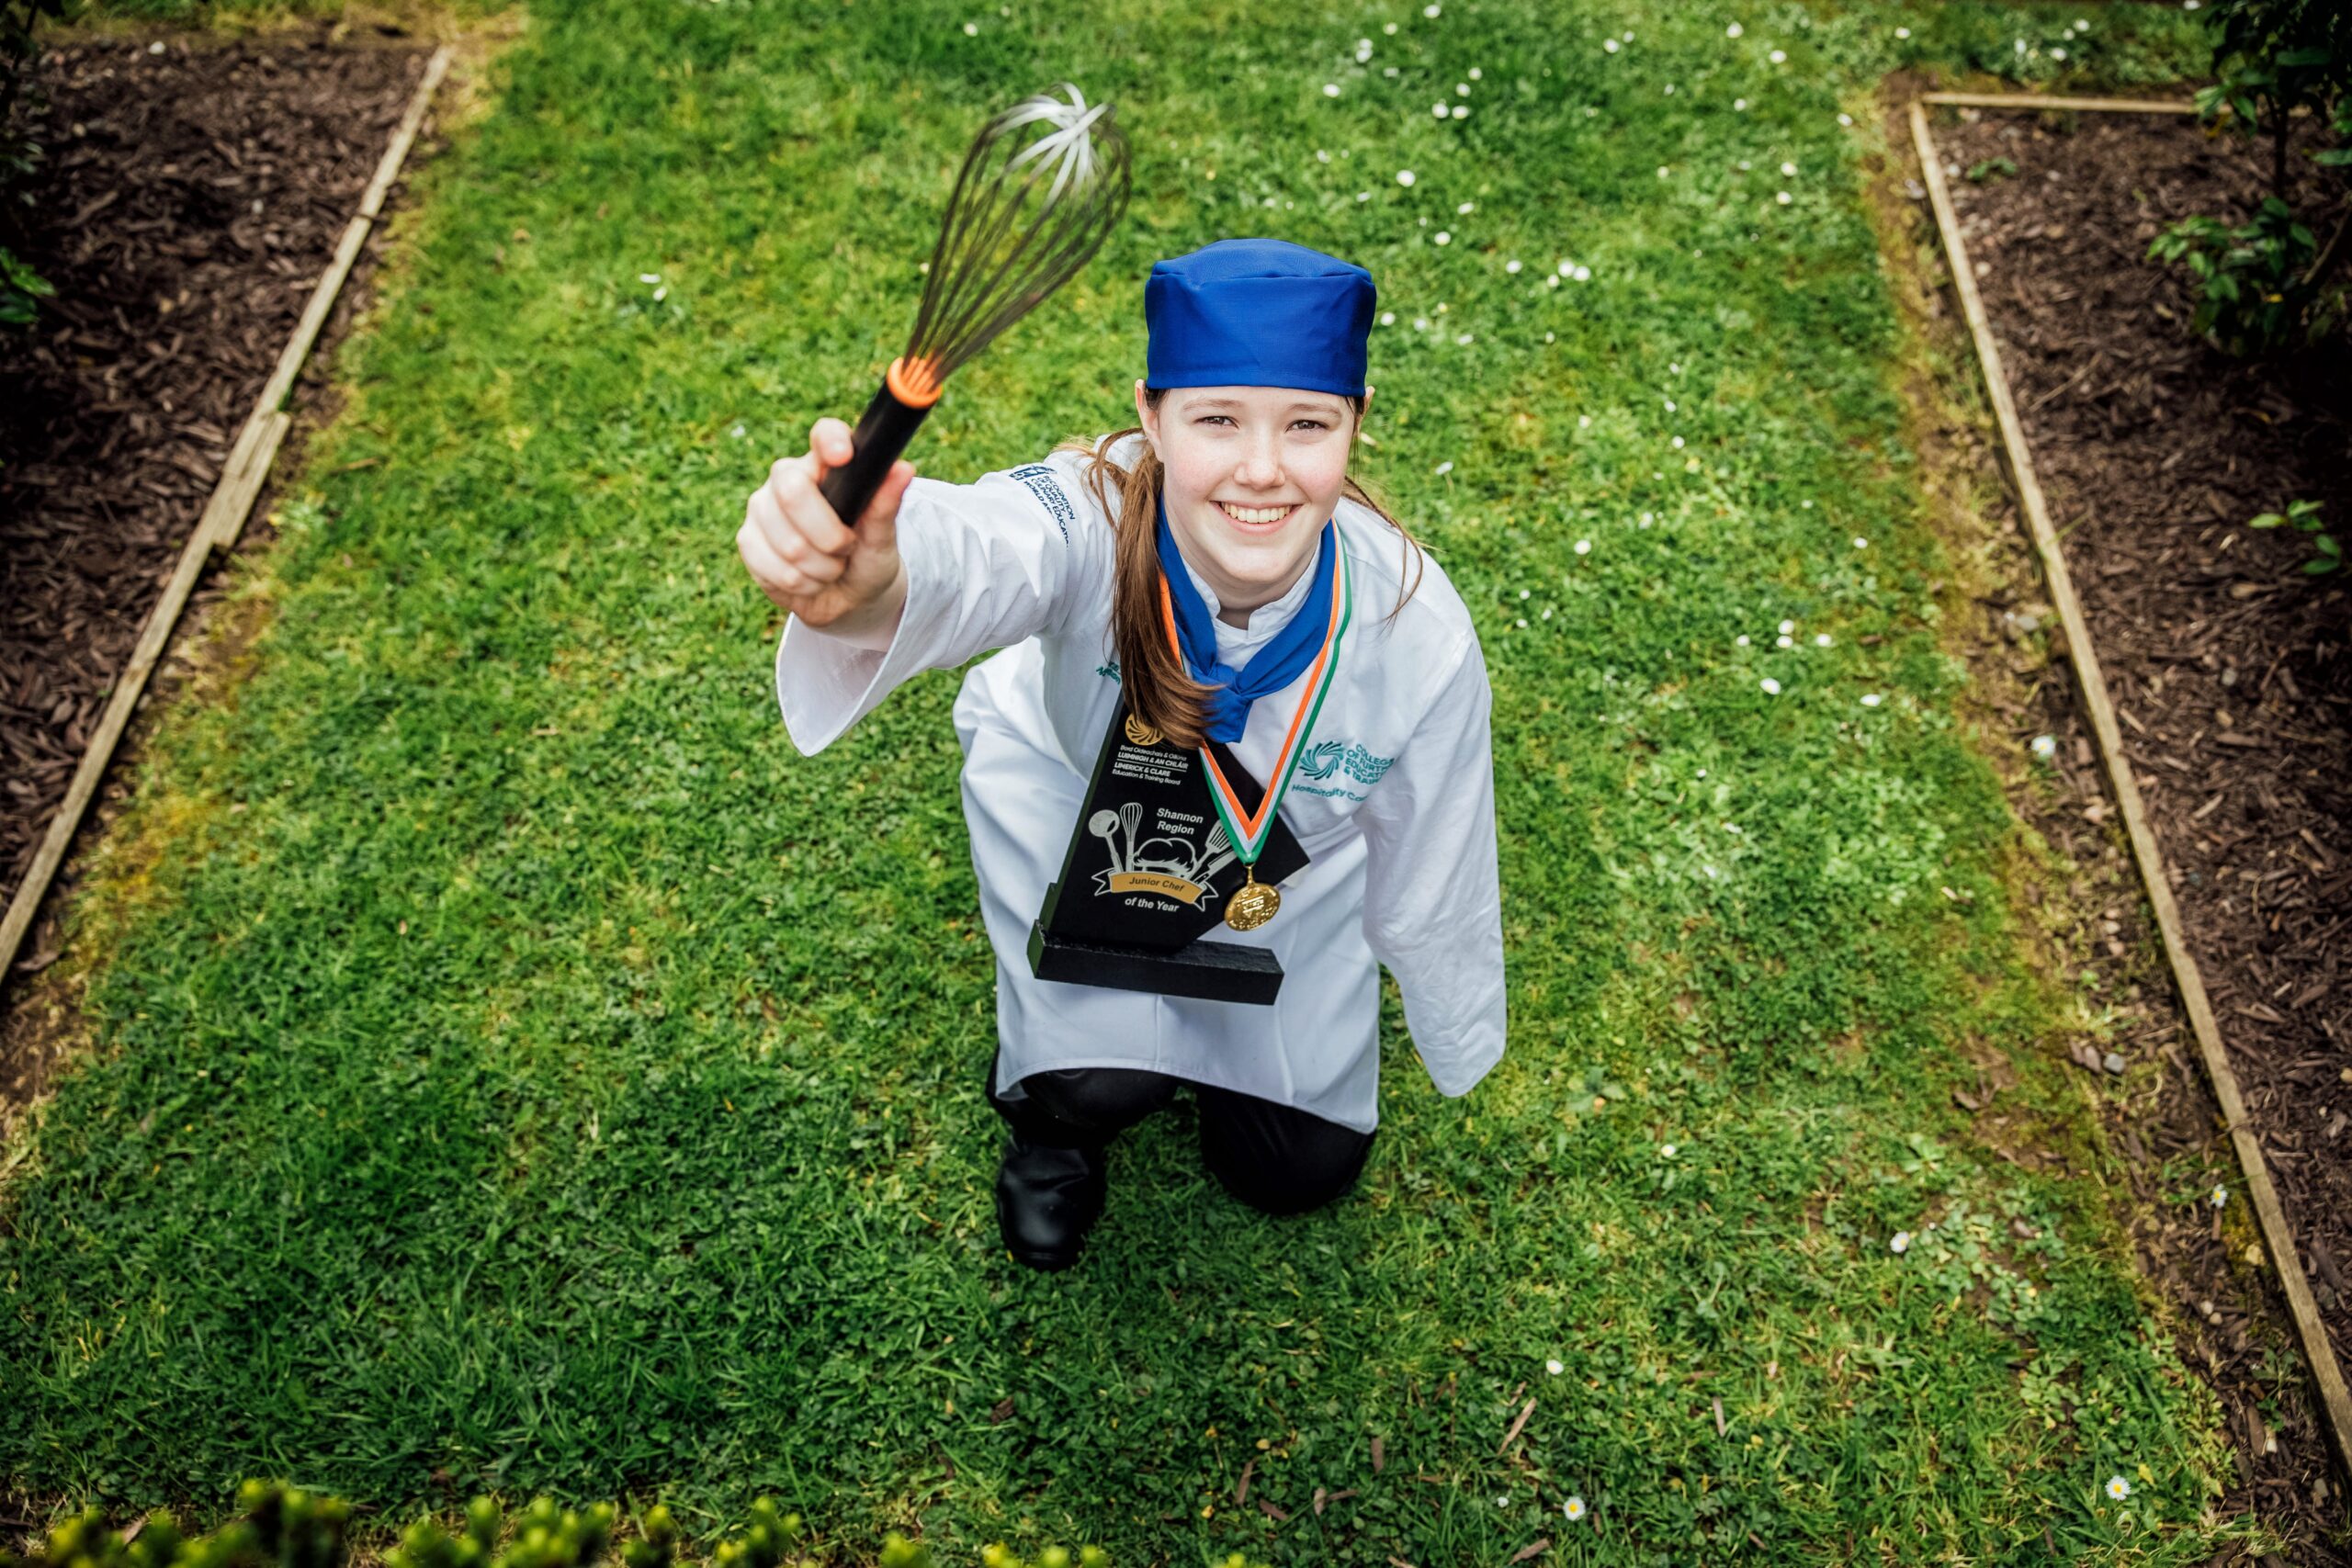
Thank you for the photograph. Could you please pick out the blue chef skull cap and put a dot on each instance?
(1258, 312)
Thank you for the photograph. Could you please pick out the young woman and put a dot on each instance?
(1213, 574)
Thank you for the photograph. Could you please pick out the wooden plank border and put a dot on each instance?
(2048, 101)
(222, 520)
(2335, 1404)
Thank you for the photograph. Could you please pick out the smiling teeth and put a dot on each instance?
(1256, 514)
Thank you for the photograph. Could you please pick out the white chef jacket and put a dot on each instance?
(1393, 801)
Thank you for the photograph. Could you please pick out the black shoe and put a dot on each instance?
(1046, 1200)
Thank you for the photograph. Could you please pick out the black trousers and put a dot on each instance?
(1273, 1158)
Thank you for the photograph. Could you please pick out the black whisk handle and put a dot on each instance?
(882, 434)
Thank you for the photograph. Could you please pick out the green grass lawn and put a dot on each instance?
(516, 1068)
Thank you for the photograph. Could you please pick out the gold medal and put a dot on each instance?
(1253, 902)
(1141, 733)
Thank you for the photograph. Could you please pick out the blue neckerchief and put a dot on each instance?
(1275, 666)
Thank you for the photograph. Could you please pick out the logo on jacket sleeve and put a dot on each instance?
(1042, 484)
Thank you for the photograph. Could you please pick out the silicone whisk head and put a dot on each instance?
(1043, 186)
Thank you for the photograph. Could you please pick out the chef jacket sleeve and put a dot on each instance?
(989, 564)
(1432, 909)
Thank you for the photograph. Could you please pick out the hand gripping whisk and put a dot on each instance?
(1028, 212)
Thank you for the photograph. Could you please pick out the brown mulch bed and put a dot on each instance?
(194, 191)
(2230, 677)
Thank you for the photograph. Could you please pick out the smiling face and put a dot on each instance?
(1252, 475)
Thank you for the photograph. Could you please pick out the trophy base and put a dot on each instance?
(1212, 971)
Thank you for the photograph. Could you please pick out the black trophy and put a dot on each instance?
(1149, 874)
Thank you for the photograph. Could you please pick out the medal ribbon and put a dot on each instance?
(1250, 830)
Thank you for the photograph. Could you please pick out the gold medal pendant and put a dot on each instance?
(1253, 902)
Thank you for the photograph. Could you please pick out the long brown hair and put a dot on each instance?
(1159, 690)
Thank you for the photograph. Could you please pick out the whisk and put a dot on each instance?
(1026, 214)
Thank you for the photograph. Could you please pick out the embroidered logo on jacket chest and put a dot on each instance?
(1326, 759)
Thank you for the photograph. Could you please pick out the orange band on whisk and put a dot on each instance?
(912, 382)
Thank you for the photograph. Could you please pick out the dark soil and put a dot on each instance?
(2230, 673)
(188, 203)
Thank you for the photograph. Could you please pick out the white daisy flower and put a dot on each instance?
(1584, 547)
(737, 433)
(1430, 11)
(1666, 1151)
(1678, 443)
(1446, 466)
(1510, 265)
(1525, 592)
(1464, 207)
(1903, 32)
(1523, 621)
(1669, 404)
(662, 293)
(648, 278)
(1733, 30)
(1437, 110)
(1552, 282)
(1778, 56)
(1788, 168)
(1505, 1501)
(971, 29)
(1322, 156)
(1364, 196)
(1739, 102)
(1389, 28)
(1663, 171)
(1554, 1367)
(1609, 44)
(1474, 73)
(1387, 318)
(1583, 274)
(1771, 687)
(1788, 625)
(1785, 641)
(1404, 176)
(1547, 615)
(1821, 640)
(2045, 747)
(1902, 1242)
(1784, 198)
(2057, 54)
(1443, 238)
(1420, 324)
(2220, 1196)
(1741, 639)
(1709, 870)
(1869, 699)
(1465, 338)
(1462, 89)
(1861, 543)
(1330, 90)
(2117, 1488)
(1845, 119)
(1584, 421)
(1574, 1508)
(1461, 111)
